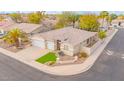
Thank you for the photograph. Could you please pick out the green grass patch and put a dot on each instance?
(46, 58)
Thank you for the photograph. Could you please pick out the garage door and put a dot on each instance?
(38, 43)
(50, 45)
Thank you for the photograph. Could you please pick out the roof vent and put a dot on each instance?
(66, 39)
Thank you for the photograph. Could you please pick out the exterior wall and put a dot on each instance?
(122, 24)
(69, 51)
(50, 45)
(38, 43)
(82, 47)
(90, 50)
(76, 49)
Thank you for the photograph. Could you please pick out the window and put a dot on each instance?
(65, 47)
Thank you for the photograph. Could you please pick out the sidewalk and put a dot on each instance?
(64, 69)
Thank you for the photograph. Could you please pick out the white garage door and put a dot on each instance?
(38, 43)
(50, 45)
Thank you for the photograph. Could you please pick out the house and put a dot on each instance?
(68, 40)
(118, 23)
(4, 25)
(25, 27)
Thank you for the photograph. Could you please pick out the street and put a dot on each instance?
(109, 66)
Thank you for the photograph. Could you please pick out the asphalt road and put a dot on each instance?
(109, 66)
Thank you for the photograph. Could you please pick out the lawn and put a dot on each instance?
(46, 58)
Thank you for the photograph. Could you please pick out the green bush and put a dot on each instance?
(102, 34)
(51, 63)
(89, 22)
(82, 54)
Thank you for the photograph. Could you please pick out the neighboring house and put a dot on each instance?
(3, 26)
(8, 19)
(68, 40)
(25, 27)
(49, 23)
(118, 23)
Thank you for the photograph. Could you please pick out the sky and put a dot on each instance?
(59, 12)
(85, 12)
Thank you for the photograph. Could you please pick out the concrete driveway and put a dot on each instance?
(32, 53)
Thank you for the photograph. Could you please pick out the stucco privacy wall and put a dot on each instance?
(69, 50)
(90, 50)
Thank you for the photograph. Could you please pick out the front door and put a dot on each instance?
(58, 44)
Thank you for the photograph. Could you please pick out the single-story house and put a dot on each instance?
(4, 25)
(25, 27)
(118, 23)
(68, 40)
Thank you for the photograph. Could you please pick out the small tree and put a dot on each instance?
(60, 24)
(89, 22)
(13, 37)
(1, 18)
(113, 16)
(70, 17)
(102, 34)
(109, 19)
(16, 17)
(103, 15)
(35, 17)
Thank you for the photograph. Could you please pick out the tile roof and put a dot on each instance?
(26, 27)
(69, 35)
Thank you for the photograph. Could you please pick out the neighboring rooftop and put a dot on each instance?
(5, 24)
(26, 27)
(69, 35)
(117, 20)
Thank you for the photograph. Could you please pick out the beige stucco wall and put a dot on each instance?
(81, 47)
(122, 24)
(90, 50)
(67, 52)
(72, 49)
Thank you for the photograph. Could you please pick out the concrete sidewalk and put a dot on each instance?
(64, 69)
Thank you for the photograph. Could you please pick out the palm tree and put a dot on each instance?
(71, 17)
(13, 37)
(104, 15)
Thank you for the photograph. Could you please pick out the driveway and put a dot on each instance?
(109, 66)
(32, 53)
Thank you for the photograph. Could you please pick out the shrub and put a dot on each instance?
(102, 34)
(51, 63)
(82, 54)
(89, 22)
